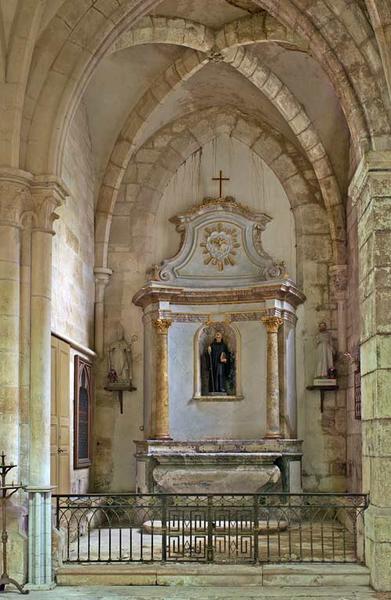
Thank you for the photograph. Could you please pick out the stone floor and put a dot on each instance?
(212, 593)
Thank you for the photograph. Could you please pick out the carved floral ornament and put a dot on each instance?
(220, 245)
(216, 235)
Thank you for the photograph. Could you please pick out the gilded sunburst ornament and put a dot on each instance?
(219, 245)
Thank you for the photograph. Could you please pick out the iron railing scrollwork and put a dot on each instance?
(210, 528)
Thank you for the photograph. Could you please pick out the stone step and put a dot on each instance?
(283, 574)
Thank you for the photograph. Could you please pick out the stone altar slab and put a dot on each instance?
(218, 466)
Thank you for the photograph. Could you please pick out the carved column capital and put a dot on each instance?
(162, 325)
(102, 275)
(15, 197)
(102, 278)
(339, 280)
(48, 193)
(272, 323)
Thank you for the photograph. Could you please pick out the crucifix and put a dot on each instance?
(220, 179)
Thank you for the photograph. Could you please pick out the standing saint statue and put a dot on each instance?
(218, 358)
(120, 360)
(324, 353)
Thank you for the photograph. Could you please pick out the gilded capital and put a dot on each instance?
(272, 324)
(161, 325)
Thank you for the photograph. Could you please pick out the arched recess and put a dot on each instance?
(175, 143)
(171, 149)
(62, 70)
(278, 94)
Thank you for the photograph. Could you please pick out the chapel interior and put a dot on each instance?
(195, 243)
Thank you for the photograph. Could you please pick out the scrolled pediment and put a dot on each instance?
(221, 246)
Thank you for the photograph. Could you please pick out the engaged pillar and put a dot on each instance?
(272, 325)
(370, 192)
(102, 278)
(47, 195)
(161, 428)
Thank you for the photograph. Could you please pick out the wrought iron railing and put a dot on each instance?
(210, 528)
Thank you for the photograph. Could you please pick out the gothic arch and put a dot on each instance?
(184, 32)
(270, 85)
(354, 89)
(167, 30)
(65, 57)
(282, 157)
(61, 70)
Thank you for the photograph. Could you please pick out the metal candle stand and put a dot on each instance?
(6, 492)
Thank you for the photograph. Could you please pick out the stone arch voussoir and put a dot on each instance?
(294, 114)
(166, 30)
(166, 150)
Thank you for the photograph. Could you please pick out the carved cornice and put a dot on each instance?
(227, 204)
(229, 317)
(155, 292)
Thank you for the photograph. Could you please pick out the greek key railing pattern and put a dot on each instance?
(210, 528)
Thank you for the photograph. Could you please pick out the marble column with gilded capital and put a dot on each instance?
(161, 427)
(272, 325)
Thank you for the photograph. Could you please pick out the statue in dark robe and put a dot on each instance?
(218, 359)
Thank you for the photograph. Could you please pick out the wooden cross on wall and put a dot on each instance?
(220, 179)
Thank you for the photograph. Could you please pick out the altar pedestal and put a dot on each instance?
(218, 466)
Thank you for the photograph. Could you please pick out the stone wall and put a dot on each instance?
(73, 244)
(73, 260)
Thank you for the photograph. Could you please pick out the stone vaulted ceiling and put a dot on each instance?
(316, 72)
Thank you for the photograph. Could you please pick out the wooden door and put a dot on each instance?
(60, 417)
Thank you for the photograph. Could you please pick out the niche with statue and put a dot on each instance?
(216, 351)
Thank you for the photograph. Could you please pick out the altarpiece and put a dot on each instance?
(219, 360)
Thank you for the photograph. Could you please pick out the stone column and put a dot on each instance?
(287, 377)
(272, 325)
(370, 192)
(47, 195)
(161, 422)
(338, 276)
(102, 278)
(14, 200)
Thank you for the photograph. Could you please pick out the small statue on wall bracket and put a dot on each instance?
(120, 365)
(325, 369)
(325, 379)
